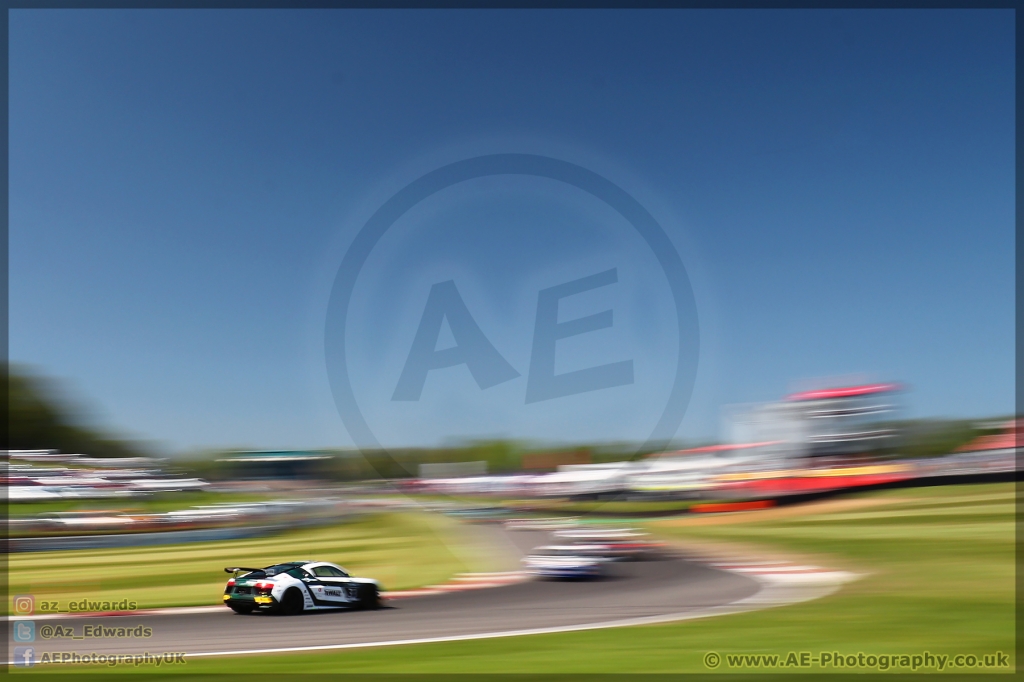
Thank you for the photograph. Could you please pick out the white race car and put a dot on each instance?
(618, 543)
(568, 562)
(297, 586)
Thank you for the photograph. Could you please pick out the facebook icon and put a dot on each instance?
(24, 656)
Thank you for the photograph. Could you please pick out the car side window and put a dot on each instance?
(298, 573)
(329, 572)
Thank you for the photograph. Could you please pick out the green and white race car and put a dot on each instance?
(297, 586)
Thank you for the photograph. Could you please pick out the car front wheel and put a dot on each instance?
(369, 597)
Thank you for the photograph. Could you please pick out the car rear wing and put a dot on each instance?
(237, 569)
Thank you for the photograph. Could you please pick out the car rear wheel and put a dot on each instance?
(291, 603)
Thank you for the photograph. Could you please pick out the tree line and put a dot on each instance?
(41, 417)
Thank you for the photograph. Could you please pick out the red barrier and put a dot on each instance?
(811, 484)
(732, 506)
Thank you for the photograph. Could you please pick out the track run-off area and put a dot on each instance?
(659, 590)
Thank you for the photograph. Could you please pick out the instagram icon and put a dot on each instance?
(24, 604)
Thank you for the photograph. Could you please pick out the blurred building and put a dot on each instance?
(692, 469)
(36, 475)
(837, 422)
(274, 464)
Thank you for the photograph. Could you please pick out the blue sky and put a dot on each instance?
(184, 185)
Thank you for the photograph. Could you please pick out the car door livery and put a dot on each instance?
(335, 585)
(338, 580)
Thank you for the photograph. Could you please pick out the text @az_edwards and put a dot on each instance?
(95, 632)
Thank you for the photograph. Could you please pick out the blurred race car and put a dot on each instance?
(297, 586)
(618, 543)
(567, 561)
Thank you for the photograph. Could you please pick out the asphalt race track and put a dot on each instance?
(636, 589)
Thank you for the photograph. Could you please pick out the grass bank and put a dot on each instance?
(400, 549)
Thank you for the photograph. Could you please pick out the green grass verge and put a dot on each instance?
(939, 567)
(156, 503)
(401, 550)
